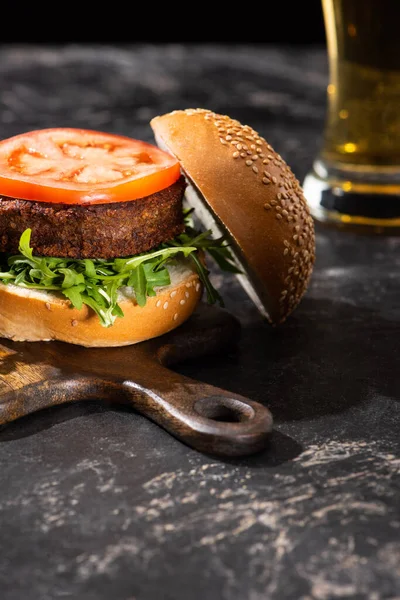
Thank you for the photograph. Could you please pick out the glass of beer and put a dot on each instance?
(355, 179)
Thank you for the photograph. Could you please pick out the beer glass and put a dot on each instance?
(355, 179)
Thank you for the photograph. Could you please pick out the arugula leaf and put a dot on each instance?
(122, 265)
(137, 280)
(155, 277)
(222, 257)
(74, 294)
(90, 269)
(213, 295)
(24, 244)
(71, 278)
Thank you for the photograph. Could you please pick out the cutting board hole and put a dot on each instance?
(222, 409)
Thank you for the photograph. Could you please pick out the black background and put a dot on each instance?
(283, 22)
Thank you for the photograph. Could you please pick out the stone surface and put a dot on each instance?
(98, 503)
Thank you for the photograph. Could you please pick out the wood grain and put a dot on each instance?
(34, 376)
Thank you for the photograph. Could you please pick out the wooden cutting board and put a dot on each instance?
(38, 375)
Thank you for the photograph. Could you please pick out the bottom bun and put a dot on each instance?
(34, 316)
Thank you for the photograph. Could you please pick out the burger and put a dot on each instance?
(99, 239)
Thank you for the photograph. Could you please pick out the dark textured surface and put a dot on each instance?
(98, 503)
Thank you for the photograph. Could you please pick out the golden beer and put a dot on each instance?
(361, 142)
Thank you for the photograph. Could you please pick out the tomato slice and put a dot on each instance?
(81, 166)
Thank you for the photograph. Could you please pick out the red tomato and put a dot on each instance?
(79, 166)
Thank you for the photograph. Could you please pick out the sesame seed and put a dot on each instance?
(183, 301)
(286, 251)
(279, 196)
(74, 322)
(239, 147)
(222, 141)
(274, 202)
(265, 181)
(165, 305)
(172, 294)
(187, 294)
(249, 163)
(267, 174)
(197, 287)
(274, 179)
(265, 162)
(47, 305)
(278, 216)
(255, 169)
(235, 155)
(267, 206)
(188, 285)
(175, 316)
(243, 154)
(228, 138)
(158, 303)
(254, 157)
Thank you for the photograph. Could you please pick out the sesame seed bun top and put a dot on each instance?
(253, 196)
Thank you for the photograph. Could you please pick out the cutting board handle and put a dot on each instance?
(205, 417)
